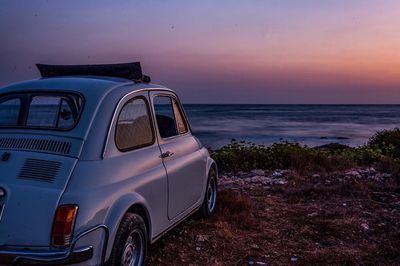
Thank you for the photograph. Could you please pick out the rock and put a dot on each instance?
(255, 246)
(280, 182)
(256, 263)
(201, 238)
(316, 176)
(277, 173)
(294, 258)
(198, 248)
(312, 214)
(258, 172)
(353, 173)
(365, 226)
(344, 204)
(280, 173)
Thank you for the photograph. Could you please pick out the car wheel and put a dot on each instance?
(130, 242)
(209, 205)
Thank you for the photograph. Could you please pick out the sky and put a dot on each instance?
(225, 51)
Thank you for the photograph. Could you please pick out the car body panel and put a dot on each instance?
(30, 203)
(102, 180)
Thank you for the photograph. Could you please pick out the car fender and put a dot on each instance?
(210, 163)
(117, 212)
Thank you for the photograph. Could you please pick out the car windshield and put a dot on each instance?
(58, 111)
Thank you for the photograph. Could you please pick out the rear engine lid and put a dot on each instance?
(33, 183)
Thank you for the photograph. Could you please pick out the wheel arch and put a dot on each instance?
(141, 210)
(211, 164)
(132, 203)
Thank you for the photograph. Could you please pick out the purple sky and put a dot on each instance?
(227, 51)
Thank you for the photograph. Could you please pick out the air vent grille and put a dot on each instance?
(42, 145)
(42, 170)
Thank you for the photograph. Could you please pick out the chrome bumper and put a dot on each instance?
(68, 256)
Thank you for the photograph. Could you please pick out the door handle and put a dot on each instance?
(166, 154)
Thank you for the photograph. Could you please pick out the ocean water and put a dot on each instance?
(312, 125)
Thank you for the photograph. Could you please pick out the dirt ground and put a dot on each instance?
(320, 220)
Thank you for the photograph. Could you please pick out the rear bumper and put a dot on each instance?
(12, 257)
(67, 256)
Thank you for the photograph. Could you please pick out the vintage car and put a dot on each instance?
(95, 164)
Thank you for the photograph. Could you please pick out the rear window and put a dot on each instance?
(9, 112)
(43, 111)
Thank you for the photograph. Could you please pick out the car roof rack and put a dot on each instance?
(131, 71)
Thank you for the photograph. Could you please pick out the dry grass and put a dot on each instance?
(319, 222)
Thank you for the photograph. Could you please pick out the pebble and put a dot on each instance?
(200, 238)
(258, 172)
(365, 226)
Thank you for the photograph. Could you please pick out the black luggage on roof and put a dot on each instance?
(132, 71)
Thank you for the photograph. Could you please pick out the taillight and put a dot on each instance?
(63, 225)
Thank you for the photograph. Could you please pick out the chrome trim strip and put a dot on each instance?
(1, 211)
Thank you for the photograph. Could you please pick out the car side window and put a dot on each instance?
(165, 116)
(180, 121)
(134, 128)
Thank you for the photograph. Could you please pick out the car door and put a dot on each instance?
(184, 162)
(132, 157)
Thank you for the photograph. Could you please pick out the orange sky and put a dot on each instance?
(272, 51)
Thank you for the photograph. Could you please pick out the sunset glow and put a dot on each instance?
(275, 51)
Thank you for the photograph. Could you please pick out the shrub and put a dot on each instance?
(245, 156)
(387, 141)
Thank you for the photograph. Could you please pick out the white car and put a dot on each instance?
(95, 163)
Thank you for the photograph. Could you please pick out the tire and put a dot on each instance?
(130, 243)
(209, 205)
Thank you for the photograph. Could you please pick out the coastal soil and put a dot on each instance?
(281, 218)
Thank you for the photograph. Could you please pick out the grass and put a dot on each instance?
(381, 151)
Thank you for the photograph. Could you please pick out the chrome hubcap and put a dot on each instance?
(211, 194)
(133, 250)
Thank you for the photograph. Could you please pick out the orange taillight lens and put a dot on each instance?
(63, 225)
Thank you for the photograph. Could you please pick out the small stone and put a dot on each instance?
(277, 173)
(316, 176)
(312, 214)
(365, 226)
(344, 204)
(260, 263)
(281, 182)
(198, 248)
(294, 258)
(258, 172)
(353, 173)
(201, 238)
(255, 246)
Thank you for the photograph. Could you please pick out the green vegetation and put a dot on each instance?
(381, 151)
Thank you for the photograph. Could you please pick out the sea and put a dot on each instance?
(311, 125)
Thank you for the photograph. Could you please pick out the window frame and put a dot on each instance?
(179, 105)
(26, 99)
(149, 113)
